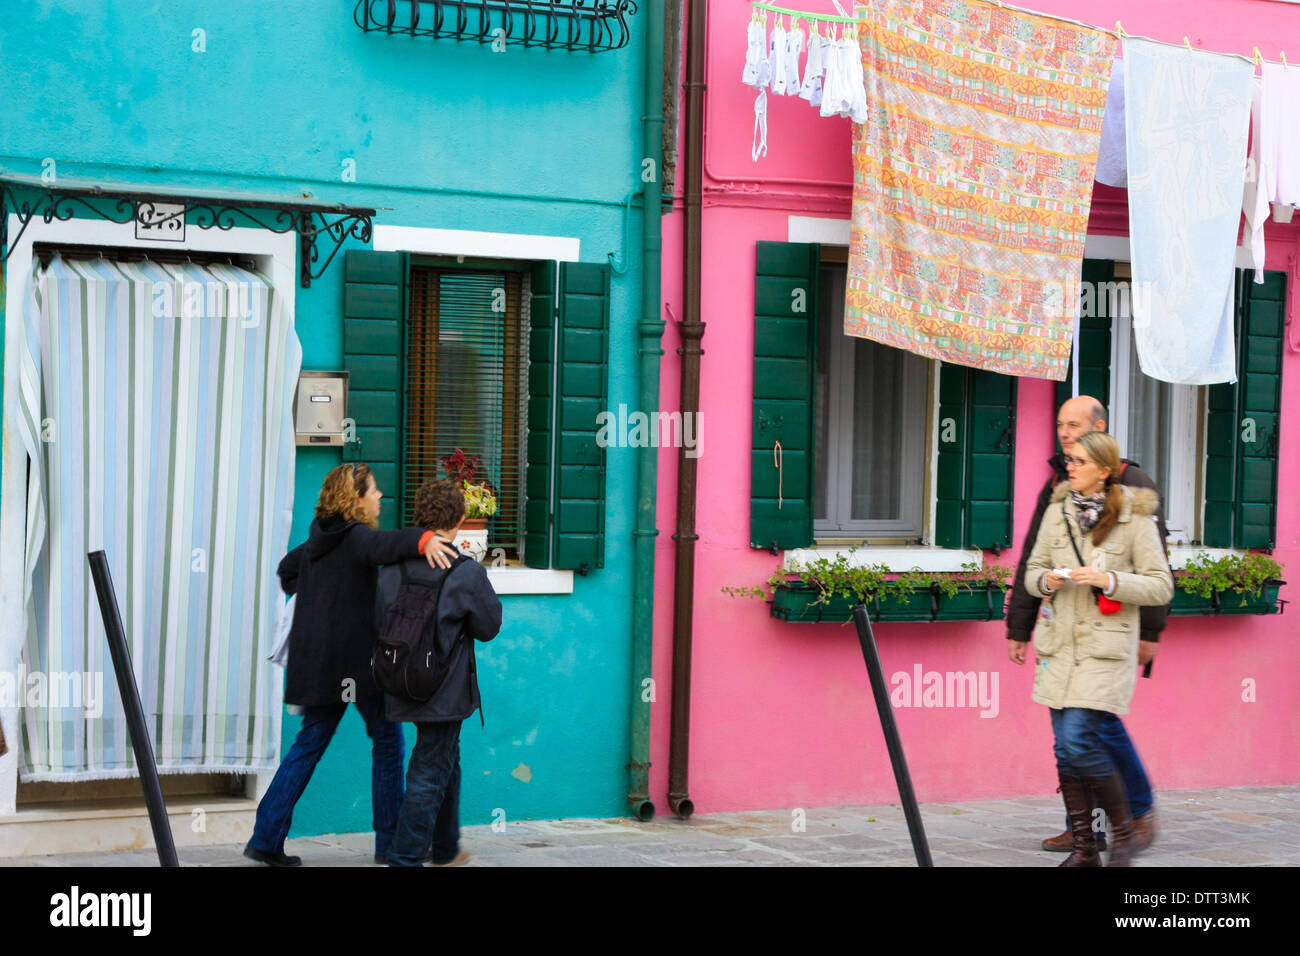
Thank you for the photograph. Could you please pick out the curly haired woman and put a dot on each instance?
(333, 574)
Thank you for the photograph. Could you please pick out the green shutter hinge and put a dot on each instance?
(583, 569)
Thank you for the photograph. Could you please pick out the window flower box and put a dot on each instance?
(1228, 602)
(797, 602)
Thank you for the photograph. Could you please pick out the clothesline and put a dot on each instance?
(1119, 31)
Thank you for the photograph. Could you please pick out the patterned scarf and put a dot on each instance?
(1090, 507)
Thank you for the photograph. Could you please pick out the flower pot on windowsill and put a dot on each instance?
(472, 538)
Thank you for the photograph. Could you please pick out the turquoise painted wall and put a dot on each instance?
(441, 133)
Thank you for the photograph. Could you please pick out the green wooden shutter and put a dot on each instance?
(541, 394)
(1094, 336)
(374, 310)
(1242, 425)
(582, 393)
(785, 367)
(977, 436)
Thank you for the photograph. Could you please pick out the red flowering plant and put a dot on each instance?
(480, 498)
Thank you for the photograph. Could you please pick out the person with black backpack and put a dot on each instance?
(427, 620)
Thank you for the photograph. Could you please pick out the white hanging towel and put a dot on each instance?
(1278, 160)
(1112, 158)
(1187, 116)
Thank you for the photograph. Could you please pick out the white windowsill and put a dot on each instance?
(530, 581)
(1180, 554)
(896, 558)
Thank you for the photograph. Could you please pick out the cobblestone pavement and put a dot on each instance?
(1241, 826)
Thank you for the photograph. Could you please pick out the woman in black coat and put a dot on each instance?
(333, 574)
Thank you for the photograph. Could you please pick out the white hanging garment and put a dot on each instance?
(759, 147)
(780, 50)
(1278, 166)
(1255, 216)
(755, 39)
(831, 82)
(794, 47)
(811, 90)
(857, 82)
(1112, 157)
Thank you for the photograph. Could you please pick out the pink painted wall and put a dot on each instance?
(782, 714)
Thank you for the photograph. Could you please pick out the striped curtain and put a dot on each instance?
(157, 415)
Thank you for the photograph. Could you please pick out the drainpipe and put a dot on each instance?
(692, 330)
(650, 330)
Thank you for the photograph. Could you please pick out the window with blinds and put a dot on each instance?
(467, 346)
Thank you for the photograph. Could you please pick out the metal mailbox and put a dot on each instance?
(320, 410)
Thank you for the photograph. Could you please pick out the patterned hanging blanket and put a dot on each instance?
(973, 181)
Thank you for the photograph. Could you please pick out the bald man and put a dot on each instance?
(1078, 415)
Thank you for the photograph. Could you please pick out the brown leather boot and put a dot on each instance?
(1064, 842)
(1144, 830)
(1078, 806)
(1113, 800)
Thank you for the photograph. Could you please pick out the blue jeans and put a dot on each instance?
(431, 811)
(1105, 746)
(1079, 750)
(275, 812)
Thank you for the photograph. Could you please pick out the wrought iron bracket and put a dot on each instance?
(322, 228)
(588, 25)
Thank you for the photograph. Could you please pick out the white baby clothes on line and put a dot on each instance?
(794, 46)
(857, 98)
(755, 41)
(811, 90)
(831, 77)
(1112, 159)
(780, 51)
(1278, 161)
(759, 147)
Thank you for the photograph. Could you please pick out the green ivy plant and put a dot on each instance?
(1242, 573)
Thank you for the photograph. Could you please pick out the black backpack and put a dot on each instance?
(406, 662)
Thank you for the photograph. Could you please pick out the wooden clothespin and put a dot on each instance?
(1187, 43)
(1259, 60)
(1284, 66)
(1119, 30)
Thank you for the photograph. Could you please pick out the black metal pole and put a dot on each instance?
(140, 743)
(867, 638)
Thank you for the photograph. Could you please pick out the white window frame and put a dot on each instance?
(924, 557)
(1186, 450)
(839, 464)
(419, 240)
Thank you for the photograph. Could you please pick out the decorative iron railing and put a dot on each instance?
(589, 25)
(322, 227)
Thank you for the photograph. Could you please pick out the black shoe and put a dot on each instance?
(272, 859)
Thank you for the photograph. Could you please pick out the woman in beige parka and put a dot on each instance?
(1086, 640)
